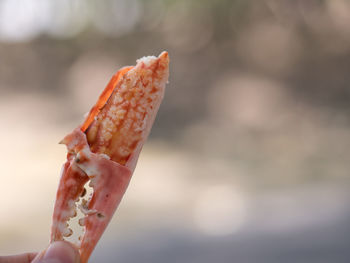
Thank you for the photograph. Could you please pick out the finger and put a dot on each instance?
(58, 252)
(21, 258)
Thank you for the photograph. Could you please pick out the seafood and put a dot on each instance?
(104, 150)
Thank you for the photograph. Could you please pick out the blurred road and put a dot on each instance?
(259, 241)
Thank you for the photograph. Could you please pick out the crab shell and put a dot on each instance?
(108, 178)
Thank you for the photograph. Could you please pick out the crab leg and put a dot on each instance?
(105, 148)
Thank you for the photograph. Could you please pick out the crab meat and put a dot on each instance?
(104, 149)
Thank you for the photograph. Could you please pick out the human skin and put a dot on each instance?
(57, 252)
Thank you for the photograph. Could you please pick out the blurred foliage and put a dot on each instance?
(240, 70)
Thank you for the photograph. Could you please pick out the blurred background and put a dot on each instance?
(248, 160)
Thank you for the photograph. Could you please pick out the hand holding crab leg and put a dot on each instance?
(105, 149)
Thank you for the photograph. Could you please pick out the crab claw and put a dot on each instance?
(109, 181)
(105, 148)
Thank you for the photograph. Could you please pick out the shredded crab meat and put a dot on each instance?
(121, 124)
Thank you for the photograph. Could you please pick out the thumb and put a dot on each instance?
(58, 252)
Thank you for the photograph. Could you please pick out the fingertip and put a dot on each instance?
(59, 252)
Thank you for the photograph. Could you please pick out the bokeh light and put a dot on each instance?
(248, 160)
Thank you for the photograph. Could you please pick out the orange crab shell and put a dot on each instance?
(109, 181)
(104, 97)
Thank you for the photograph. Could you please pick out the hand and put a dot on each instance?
(57, 252)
